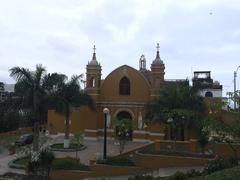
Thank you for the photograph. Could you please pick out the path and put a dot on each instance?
(94, 149)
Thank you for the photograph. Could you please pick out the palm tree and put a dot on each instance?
(67, 96)
(30, 88)
(179, 104)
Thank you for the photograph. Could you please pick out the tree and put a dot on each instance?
(30, 88)
(66, 96)
(32, 96)
(178, 104)
(235, 96)
(122, 129)
(78, 139)
(226, 132)
(43, 165)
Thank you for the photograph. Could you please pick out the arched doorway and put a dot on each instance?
(126, 116)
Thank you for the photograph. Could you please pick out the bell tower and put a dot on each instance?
(93, 81)
(157, 73)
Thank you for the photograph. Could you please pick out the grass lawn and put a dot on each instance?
(22, 161)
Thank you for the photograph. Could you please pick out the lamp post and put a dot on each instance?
(170, 121)
(235, 76)
(106, 112)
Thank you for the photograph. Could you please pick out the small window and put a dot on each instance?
(124, 86)
(208, 94)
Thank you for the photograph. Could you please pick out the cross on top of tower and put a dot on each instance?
(158, 47)
(94, 48)
(158, 59)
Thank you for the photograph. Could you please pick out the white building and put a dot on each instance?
(207, 87)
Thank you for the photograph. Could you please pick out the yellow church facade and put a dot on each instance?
(125, 92)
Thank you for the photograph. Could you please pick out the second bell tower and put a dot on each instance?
(93, 81)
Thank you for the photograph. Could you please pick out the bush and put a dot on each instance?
(43, 165)
(141, 178)
(226, 174)
(117, 161)
(69, 164)
(219, 164)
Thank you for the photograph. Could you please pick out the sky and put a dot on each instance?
(194, 35)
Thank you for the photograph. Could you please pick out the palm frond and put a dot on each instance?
(51, 82)
(19, 73)
(39, 73)
(75, 79)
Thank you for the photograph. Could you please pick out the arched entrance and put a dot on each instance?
(126, 116)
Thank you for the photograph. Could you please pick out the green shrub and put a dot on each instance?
(139, 177)
(117, 161)
(43, 165)
(226, 174)
(219, 164)
(178, 176)
(69, 164)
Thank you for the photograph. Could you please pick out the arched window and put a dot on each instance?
(208, 94)
(124, 86)
(92, 82)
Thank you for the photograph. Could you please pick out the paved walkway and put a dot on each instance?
(94, 149)
(5, 158)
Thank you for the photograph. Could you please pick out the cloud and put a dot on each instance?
(193, 34)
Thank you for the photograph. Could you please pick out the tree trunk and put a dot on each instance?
(35, 141)
(66, 137)
(35, 152)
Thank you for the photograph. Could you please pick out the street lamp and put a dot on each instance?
(235, 75)
(170, 121)
(106, 112)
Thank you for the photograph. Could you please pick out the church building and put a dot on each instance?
(125, 92)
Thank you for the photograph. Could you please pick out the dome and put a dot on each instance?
(157, 59)
(216, 83)
(94, 59)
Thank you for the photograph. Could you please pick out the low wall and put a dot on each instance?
(107, 170)
(97, 170)
(16, 132)
(223, 149)
(165, 161)
(192, 146)
(69, 174)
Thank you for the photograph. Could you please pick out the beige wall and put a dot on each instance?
(140, 88)
(80, 120)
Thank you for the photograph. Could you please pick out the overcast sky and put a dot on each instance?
(60, 34)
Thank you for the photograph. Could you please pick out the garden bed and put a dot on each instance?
(72, 147)
(62, 163)
(19, 163)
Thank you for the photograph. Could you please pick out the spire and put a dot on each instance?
(94, 59)
(158, 59)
